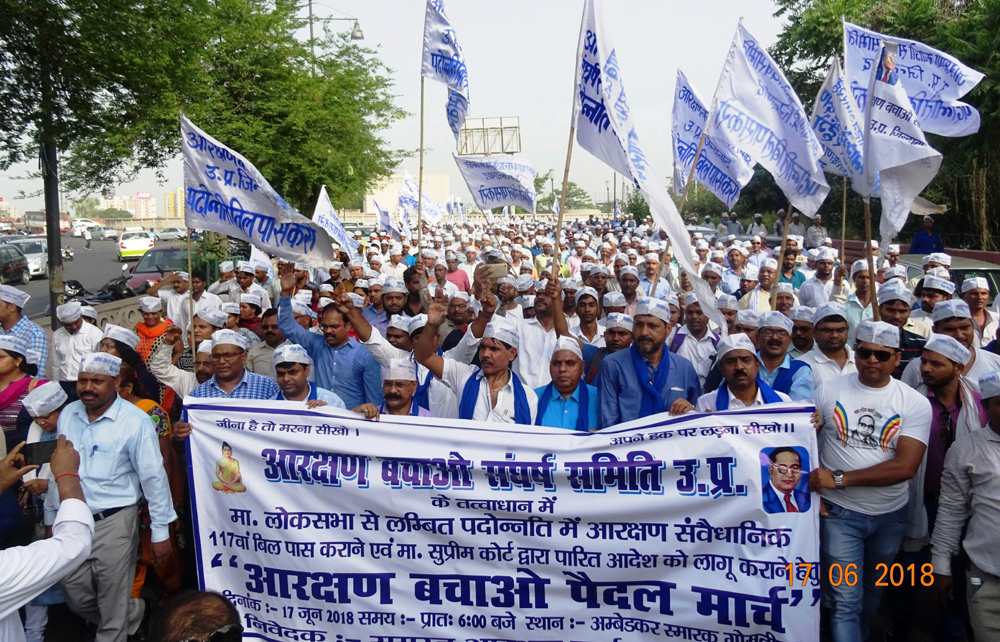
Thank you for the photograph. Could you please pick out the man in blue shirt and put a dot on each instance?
(342, 364)
(651, 275)
(561, 402)
(646, 378)
(778, 370)
(291, 366)
(231, 379)
(926, 240)
(12, 322)
(120, 463)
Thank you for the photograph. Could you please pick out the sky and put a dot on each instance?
(519, 55)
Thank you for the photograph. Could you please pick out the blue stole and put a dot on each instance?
(422, 395)
(652, 398)
(470, 395)
(766, 393)
(414, 408)
(583, 414)
(312, 393)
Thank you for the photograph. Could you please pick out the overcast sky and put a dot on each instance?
(520, 55)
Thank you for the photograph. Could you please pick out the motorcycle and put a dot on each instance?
(67, 253)
(114, 290)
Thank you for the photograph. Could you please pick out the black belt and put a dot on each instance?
(104, 514)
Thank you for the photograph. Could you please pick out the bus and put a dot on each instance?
(34, 222)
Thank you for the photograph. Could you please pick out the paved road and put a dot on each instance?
(93, 269)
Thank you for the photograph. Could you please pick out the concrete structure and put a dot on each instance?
(173, 203)
(436, 186)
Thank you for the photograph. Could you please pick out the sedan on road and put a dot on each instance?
(36, 249)
(133, 245)
(105, 234)
(172, 233)
(13, 265)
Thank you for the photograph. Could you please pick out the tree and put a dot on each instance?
(113, 212)
(544, 202)
(86, 207)
(633, 203)
(577, 198)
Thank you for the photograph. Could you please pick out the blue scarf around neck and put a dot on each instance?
(652, 397)
(583, 408)
(766, 393)
(470, 396)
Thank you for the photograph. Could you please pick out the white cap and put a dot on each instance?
(748, 317)
(44, 399)
(860, 265)
(10, 343)
(88, 312)
(736, 341)
(896, 271)
(501, 331)
(290, 353)
(460, 295)
(829, 310)
(301, 267)
(628, 269)
(400, 322)
(226, 266)
(32, 356)
(150, 304)
(524, 282)
(568, 343)
(69, 312)
(879, 333)
(893, 248)
(938, 257)
(613, 299)
(770, 263)
(400, 370)
(252, 299)
(951, 308)
(183, 276)
(785, 288)
(618, 320)
(712, 267)
(773, 319)
(205, 347)
(362, 283)
(101, 363)
(231, 308)
(228, 337)
(724, 302)
(825, 254)
(357, 299)
(300, 309)
(526, 301)
(989, 384)
(587, 291)
(894, 290)
(416, 322)
(937, 283)
(749, 274)
(247, 267)
(948, 347)
(975, 283)
(654, 307)
(802, 313)
(812, 254)
(213, 317)
(118, 333)
(394, 286)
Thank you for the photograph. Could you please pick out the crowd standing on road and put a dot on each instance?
(602, 329)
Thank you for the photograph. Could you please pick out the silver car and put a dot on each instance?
(172, 234)
(36, 250)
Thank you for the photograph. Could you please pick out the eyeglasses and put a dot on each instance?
(227, 356)
(777, 332)
(333, 326)
(228, 633)
(784, 470)
(881, 355)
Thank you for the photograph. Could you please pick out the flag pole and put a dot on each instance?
(562, 201)
(876, 314)
(680, 207)
(190, 298)
(781, 257)
(843, 226)
(420, 179)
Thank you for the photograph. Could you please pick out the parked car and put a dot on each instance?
(172, 233)
(13, 265)
(133, 245)
(35, 249)
(104, 234)
(77, 226)
(157, 263)
(961, 269)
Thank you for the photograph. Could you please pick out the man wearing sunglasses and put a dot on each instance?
(873, 436)
(953, 318)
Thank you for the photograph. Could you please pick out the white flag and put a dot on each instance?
(225, 193)
(618, 212)
(838, 127)
(721, 169)
(444, 62)
(327, 218)
(604, 128)
(932, 80)
(385, 221)
(406, 206)
(756, 110)
(895, 146)
(499, 180)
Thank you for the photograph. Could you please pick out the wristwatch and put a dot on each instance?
(838, 479)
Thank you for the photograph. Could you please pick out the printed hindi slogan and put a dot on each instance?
(323, 527)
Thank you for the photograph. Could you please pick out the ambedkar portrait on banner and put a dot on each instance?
(784, 477)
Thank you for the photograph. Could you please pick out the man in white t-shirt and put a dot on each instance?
(873, 437)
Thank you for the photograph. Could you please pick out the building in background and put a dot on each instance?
(145, 205)
(9, 211)
(436, 186)
(173, 203)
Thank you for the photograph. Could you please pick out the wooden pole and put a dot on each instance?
(562, 202)
(781, 257)
(420, 179)
(190, 298)
(843, 226)
(680, 209)
(876, 315)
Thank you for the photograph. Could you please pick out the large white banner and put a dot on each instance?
(323, 527)
(406, 207)
(933, 80)
(444, 62)
(327, 218)
(839, 127)
(755, 109)
(225, 193)
(499, 180)
(721, 169)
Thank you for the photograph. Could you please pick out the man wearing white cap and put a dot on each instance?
(291, 366)
(976, 293)
(396, 266)
(72, 342)
(399, 385)
(202, 299)
(741, 385)
(793, 378)
(894, 302)
(651, 275)
(759, 297)
(120, 464)
(14, 323)
(873, 437)
(731, 276)
(588, 308)
(858, 305)
(566, 401)
(832, 357)
(647, 378)
(241, 283)
(181, 381)
(441, 281)
(694, 340)
(926, 240)
(957, 412)
(968, 519)
(815, 234)
(174, 297)
(803, 331)
(816, 291)
(933, 290)
(617, 336)
(954, 319)
(231, 379)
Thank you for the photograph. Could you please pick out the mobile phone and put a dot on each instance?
(39, 452)
(496, 271)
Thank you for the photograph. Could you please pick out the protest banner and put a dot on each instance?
(499, 180)
(225, 193)
(327, 218)
(320, 526)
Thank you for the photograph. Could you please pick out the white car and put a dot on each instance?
(172, 234)
(35, 248)
(133, 245)
(78, 225)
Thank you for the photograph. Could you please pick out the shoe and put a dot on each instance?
(142, 632)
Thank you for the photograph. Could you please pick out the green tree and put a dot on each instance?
(633, 203)
(86, 207)
(577, 198)
(544, 202)
(112, 212)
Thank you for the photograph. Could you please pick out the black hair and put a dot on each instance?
(128, 355)
(408, 273)
(199, 274)
(773, 456)
(29, 369)
(193, 615)
(833, 318)
(256, 309)
(789, 250)
(225, 444)
(270, 312)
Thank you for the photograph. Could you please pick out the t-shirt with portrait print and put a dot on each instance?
(861, 427)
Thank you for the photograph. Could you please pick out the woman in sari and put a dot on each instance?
(16, 381)
(227, 471)
(170, 572)
(250, 312)
(122, 343)
(150, 333)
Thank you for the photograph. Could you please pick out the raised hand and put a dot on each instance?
(172, 334)
(342, 300)
(288, 280)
